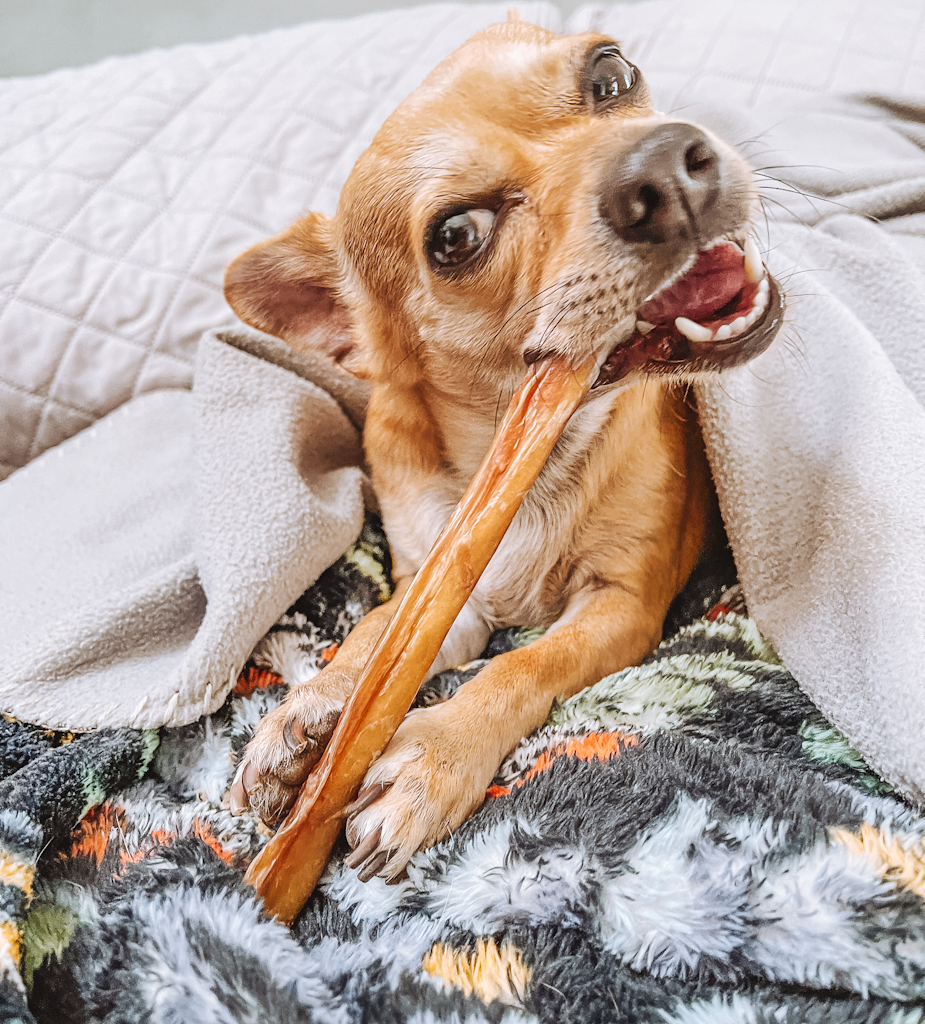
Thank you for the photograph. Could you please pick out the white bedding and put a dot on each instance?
(125, 187)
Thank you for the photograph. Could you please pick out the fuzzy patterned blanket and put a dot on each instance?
(687, 841)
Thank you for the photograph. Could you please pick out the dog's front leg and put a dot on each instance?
(435, 771)
(289, 741)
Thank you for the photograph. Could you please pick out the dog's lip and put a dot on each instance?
(679, 343)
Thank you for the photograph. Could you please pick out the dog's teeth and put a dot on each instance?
(723, 333)
(738, 325)
(693, 331)
(644, 327)
(761, 298)
(754, 268)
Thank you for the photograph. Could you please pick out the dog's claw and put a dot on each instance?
(367, 795)
(367, 847)
(266, 797)
(237, 798)
(368, 858)
(239, 794)
(294, 735)
(373, 866)
(249, 777)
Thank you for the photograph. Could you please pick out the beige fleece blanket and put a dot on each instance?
(145, 557)
(818, 446)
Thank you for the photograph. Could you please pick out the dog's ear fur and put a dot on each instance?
(287, 286)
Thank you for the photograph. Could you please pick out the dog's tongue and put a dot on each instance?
(716, 278)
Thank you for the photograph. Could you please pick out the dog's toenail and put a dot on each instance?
(294, 735)
(373, 866)
(237, 798)
(369, 844)
(366, 796)
(248, 777)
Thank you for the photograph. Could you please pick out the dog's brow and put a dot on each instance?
(448, 169)
(441, 152)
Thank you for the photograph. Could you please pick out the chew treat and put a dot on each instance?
(285, 872)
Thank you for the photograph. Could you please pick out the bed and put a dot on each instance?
(729, 832)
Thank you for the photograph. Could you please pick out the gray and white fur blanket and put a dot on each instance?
(167, 541)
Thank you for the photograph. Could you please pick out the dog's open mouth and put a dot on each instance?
(723, 310)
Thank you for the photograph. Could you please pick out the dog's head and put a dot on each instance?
(526, 199)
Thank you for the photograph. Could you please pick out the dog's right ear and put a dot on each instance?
(287, 286)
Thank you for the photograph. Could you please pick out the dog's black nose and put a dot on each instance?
(665, 188)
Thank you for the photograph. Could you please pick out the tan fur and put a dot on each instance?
(613, 527)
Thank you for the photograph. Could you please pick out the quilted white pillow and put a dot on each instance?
(126, 187)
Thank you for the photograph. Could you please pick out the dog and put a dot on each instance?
(526, 200)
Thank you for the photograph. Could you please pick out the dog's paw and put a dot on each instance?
(430, 778)
(285, 747)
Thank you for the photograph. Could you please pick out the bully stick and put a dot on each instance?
(285, 872)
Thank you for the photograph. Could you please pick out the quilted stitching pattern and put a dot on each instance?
(127, 186)
(750, 52)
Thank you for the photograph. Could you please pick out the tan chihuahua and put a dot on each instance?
(525, 200)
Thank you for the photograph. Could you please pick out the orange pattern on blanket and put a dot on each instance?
(91, 837)
(494, 973)
(201, 829)
(160, 837)
(16, 872)
(596, 746)
(897, 859)
(255, 679)
(10, 942)
(163, 837)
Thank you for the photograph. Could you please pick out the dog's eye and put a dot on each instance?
(457, 239)
(609, 76)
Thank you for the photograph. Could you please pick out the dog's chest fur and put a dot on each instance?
(573, 518)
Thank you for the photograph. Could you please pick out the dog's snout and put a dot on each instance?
(664, 188)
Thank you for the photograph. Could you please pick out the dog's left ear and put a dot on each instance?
(287, 286)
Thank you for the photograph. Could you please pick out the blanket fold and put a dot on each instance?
(146, 557)
(818, 446)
